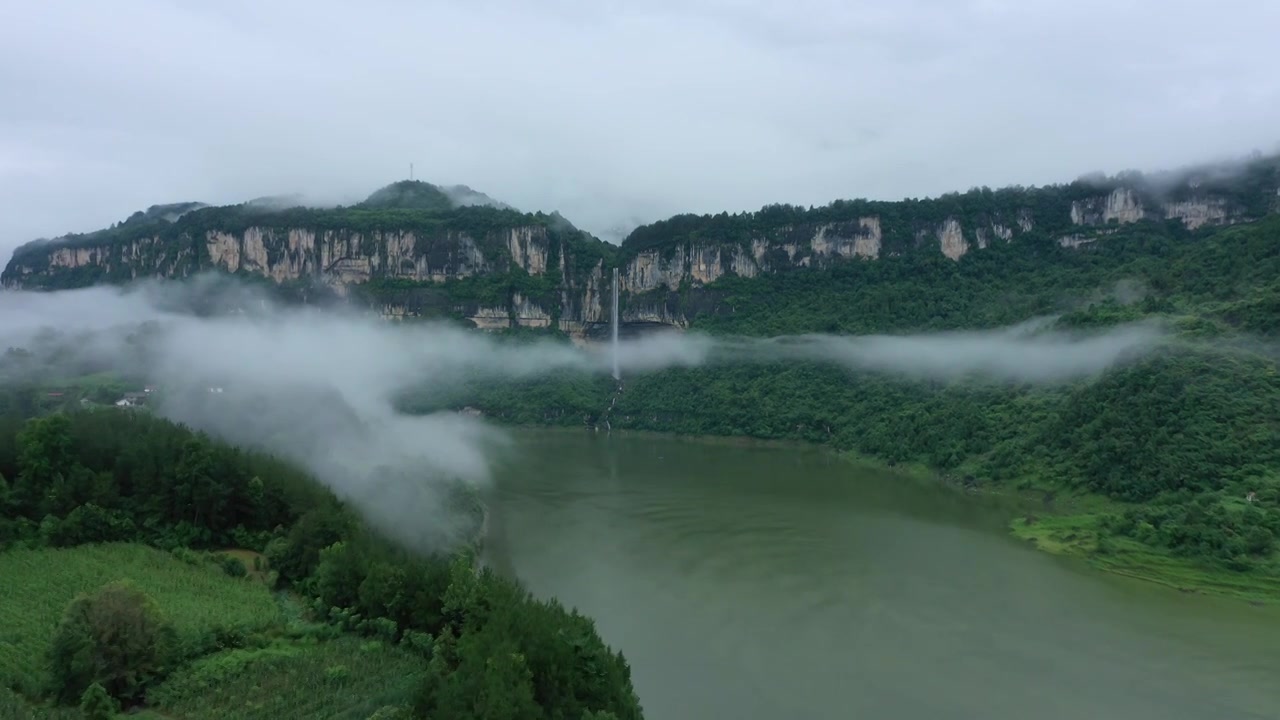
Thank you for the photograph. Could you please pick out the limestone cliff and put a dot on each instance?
(692, 251)
(414, 250)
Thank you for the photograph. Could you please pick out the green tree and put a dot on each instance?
(90, 523)
(45, 461)
(382, 593)
(298, 555)
(490, 682)
(338, 576)
(115, 637)
(199, 497)
(463, 599)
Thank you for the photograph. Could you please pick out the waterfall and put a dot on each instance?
(617, 374)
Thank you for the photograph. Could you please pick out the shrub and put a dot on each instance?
(90, 523)
(96, 704)
(233, 566)
(115, 638)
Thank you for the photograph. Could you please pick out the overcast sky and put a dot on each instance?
(611, 113)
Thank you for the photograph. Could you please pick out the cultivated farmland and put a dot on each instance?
(343, 678)
(199, 599)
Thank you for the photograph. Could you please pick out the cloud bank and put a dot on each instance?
(320, 387)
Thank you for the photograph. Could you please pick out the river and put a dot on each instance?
(761, 582)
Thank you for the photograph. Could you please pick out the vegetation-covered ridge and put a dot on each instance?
(407, 195)
(1168, 468)
(416, 250)
(1195, 196)
(150, 568)
(413, 231)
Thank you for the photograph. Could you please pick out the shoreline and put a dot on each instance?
(1066, 528)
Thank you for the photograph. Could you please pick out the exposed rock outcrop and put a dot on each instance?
(1198, 213)
(951, 239)
(410, 251)
(1120, 205)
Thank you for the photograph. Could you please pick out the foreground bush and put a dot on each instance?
(114, 638)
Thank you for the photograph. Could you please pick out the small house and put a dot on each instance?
(132, 399)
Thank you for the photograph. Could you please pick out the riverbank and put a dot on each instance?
(714, 566)
(1063, 523)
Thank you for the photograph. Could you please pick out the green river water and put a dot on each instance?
(746, 582)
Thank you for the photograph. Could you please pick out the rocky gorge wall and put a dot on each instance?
(531, 275)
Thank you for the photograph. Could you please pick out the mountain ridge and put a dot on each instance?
(413, 249)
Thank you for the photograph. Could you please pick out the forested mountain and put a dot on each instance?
(1166, 468)
(417, 250)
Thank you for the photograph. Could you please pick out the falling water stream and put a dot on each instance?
(617, 373)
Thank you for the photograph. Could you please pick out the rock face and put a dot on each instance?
(345, 257)
(1121, 205)
(1197, 213)
(499, 268)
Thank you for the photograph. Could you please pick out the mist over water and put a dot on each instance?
(319, 386)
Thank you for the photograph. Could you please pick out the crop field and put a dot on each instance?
(38, 584)
(326, 680)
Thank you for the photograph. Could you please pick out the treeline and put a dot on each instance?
(1187, 441)
(111, 475)
(1186, 430)
(1248, 188)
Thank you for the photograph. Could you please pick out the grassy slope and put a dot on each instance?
(38, 585)
(342, 678)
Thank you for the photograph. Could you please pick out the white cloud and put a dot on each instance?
(320, 388)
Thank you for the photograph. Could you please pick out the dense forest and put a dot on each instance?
(1177, 455)
(112, 513)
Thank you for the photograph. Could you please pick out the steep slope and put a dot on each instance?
(413, 249)
(689, 252)
(409, 250)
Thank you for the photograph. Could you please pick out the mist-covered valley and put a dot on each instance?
(324, 388)
(590, 361)
(411, 474)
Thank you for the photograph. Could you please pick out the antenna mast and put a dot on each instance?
(410, 171)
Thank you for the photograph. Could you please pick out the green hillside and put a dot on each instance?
(152, 569)
(1144, 470)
